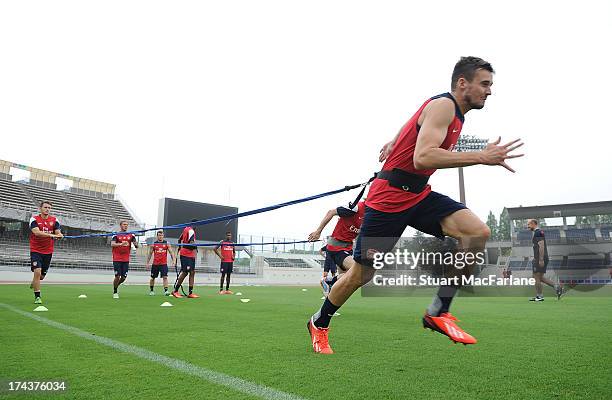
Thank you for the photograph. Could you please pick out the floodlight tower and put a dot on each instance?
(467, 143)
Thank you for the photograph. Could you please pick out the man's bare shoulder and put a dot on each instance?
(441, 108)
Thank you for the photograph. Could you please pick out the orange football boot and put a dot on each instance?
(320, 343)
(448, 328)
(450, 316)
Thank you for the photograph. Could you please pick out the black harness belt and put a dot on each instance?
(407, 181)
(338, 243)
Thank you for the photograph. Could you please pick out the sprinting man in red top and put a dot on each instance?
(401, 197)
(121, 243)
(44, 227)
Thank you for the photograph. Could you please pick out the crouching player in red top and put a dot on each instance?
(121, 244)
(339, 247)
(43, 229)
(401, 197)
(227, 256)
(159, 252)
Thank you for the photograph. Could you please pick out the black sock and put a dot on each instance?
(227, 282)
(442, 300)
(446, 302)
(151, 287)
(222, 280)
(323, 316)
(190, 289)
(114, 289)
(165, 288)
(36, 294)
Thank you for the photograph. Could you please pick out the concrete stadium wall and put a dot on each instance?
(269, 276)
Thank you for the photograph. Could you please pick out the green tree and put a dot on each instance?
(492, 224)
(416, 244)
(503, 227)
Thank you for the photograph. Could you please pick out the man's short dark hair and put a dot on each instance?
(158, 232)
(535, 221)
(466, 68)
(42, 203)
(230, 232)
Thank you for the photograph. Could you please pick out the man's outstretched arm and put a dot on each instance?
(429, 155)
(328, 217)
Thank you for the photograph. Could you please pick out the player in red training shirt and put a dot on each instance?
(121, 244)
(401, 197)
(44, 228)
(227, 254)
(339, 247)
(187, 254)
(159, 251)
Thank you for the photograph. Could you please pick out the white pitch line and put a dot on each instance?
(218, 378)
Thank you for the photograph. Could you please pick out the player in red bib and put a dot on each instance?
(43, 229)
(159, 251)
(227, 253)
(330, 271)
(187, 255)
(401, 197)
(339, 248)
(121, 244)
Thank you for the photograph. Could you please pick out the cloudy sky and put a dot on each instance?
(253, 103)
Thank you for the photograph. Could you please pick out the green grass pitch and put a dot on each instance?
(550, 350)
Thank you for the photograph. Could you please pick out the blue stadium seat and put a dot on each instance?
(524, 235)
(585, 263)
(580, 235)
(552, 234)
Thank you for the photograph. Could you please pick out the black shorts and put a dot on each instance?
(121, 268)
(42, 261)
(335, 258)
(329, 264)
(380, 231)
(159, 270)
(227, 267)
(536, 268)
(187, 264)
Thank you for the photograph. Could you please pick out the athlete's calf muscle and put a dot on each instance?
(357, 276)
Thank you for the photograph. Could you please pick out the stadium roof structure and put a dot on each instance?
(81, 203)
(47, 178)
(561, 210)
